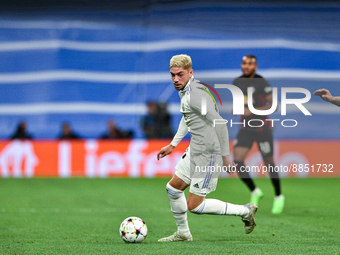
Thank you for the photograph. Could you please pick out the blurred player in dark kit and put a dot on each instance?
(262, 100)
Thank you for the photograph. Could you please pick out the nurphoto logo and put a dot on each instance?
(238, 105)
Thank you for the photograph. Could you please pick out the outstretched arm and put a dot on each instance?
(327, 96)
(180, 134)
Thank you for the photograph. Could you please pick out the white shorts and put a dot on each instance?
(199, 171)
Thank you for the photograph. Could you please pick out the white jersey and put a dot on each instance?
(203, 134)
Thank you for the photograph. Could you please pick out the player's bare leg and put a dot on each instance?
(175, 189)
(279, 199)
(178, 183)
(240, 154)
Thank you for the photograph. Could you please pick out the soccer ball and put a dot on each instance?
(133, 230)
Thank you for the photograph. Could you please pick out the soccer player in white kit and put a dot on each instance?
(206, 156)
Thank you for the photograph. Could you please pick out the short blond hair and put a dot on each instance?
(181, 60)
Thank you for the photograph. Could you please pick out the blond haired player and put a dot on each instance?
(208, 150)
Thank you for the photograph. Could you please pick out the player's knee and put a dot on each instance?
(269, 160)
(173, 192)
(196, 208)
(240, 154)
(239, 163)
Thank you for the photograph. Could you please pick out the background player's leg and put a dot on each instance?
(269, 161)
(266, 146)
(240, 154)
(279, 199)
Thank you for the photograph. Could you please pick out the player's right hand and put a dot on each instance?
(324, 94)
(229, 164)
(165, 151)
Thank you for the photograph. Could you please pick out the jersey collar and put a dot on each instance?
(187, 87)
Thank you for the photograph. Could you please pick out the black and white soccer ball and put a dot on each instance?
(133, 230)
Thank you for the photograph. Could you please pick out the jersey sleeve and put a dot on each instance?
(181, 132)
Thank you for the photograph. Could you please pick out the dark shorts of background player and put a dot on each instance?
(264, 140)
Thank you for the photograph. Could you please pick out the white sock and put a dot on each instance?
(179, 209)
(211, 206)
(238, 210)
(214, 206)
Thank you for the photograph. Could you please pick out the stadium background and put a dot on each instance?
(87, 62)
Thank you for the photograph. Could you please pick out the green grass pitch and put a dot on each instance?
(82, 216)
